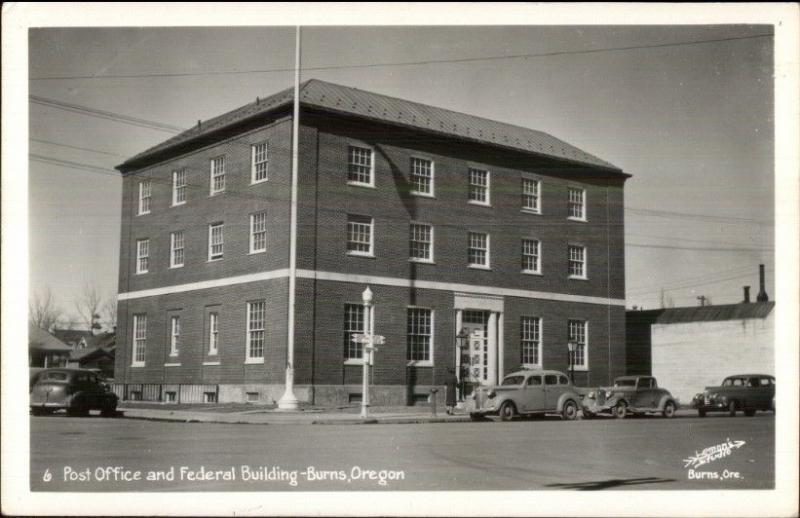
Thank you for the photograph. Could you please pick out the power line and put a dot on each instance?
(698, 248)
(407, 63)
(102, 114)
(686, 215)
(75, 147)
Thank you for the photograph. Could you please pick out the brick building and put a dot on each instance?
(459, 225)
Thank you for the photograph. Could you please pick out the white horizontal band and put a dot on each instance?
(372, 279)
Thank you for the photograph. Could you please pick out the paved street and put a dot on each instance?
(97, 454)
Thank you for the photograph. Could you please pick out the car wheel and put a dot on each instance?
(588, 415)
(732, 409)
(750, 412)
(669, 410)
(620, 410)
(508, 411)
(570, 411)
(701, 412)
(78, 409)
(110, 410)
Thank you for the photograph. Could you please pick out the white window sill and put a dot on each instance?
(216, 192)
(420, 363)
(215, 260)
(256, 252)
(213, 352)
(573, 218)
(211, 363)
(421, 261)
(354, 361)
(531, 272)
(422, 194)
(137, 365)
(478, 267)
(175, 266)
(361, 254)
(579, 368)
(531, 366)
(576, 278)
(254, 361)
(479, 203)
(172, 365)
(142, 273)
(142, 213)
(360, 184)
(173, 354)
(256, 182)
(178, 204)
(531, 211)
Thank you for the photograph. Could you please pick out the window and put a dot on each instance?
(217, 174)
(359, 166)
(478, 250)
(256, 326)
(577, 335)
(550, 379)
(174, 335)
(213, 333)
(421, 176)
(530, 195)
(577, 261)
(420, 335)
(530, 341)
(179, 187)
(420, 243)
(216, 246)
(260, 161)
(353, 323)
(535, 381)
(531, 252)
(176, 249)
(577, 204)
(359, 235)
(139, 339)
(479, 187)
(145, 193)
(142, 255)
(258, 232)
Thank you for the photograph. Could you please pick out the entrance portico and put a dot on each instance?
(480, 362)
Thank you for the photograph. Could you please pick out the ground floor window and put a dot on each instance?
(419, 333)
(577, 333)
(256, 329)
(530, 340)
(353, 324)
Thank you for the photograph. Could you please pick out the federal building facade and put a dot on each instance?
(488, 247)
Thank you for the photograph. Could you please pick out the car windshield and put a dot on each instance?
(513, 380)
(54, 376)
(625, 383)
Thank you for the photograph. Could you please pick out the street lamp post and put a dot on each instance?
(571, 356)
(461, 341)
(366, 298)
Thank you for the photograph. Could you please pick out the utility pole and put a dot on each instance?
(289, 401)
(702, 299)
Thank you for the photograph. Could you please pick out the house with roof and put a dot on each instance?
(89, 350)
(689, 348)
(487, 247)
(45, 350)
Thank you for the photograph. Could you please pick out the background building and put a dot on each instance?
(464, 226)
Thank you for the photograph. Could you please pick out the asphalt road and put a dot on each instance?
(98, 454)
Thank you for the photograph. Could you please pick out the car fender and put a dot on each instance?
(566, 396)
(666, 398)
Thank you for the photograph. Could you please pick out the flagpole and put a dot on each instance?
(288, 401)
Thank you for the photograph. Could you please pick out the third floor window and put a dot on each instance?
(217, 174)
(145, 194)
(179, 187)
(360, 166)
(359, 235)
(479, 187)
(530, 195)
(260, 160)
(421, 176)
(577, 204)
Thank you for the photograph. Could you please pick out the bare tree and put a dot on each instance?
(110, 310)
(42, 310)
(88, 306)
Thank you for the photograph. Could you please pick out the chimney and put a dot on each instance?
(762, 292)
(747, 294)
(199, 124)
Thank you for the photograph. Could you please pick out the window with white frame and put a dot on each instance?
(419, 333)
(421, 176)
(353, 324)
(217, 174)
(530, 195)
(145, 194)
(420, 242)
(179, 187)
(213, 333)
(479, 186)
(478, 251)
(216, 243)
(260, 163)
(577, 334)
(256, 329)
(258, 232)
(360, 166)
(139, 338)
(142, 255)
(577, 203)
(174, 335)
(577, 261)
(176, 249)
(359, 235)
(530, 341)
(531, 254)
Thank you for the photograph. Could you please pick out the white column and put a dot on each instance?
(492, 363)
(500, 347)
(459, 324)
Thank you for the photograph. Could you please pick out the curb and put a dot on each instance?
(321, 422)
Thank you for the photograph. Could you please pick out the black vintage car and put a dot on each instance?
(75, 390)
(741, 392)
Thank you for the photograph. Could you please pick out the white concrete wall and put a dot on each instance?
(689, 357)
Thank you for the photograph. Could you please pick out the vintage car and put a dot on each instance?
(630, 395)
(746, 392)
(75, 390)
(526, 392)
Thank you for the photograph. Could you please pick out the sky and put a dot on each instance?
(692, 122)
